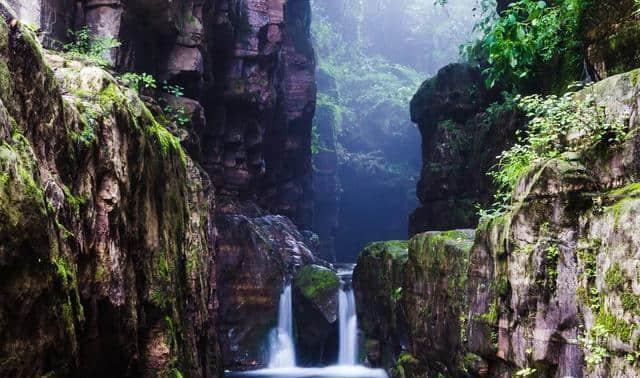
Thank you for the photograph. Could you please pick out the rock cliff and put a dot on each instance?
(106, 232)
(114, 244)
(550, 286)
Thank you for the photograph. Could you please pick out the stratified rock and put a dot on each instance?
(107, 262)
(315, 304)
(461, 139)
(377, 281)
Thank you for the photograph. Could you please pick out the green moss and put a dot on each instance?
(316, 283)
(397, 249)
(615, 277)
(615, 326)
(406, 358)
(630, 303)
(491, 316)
(75, 202)
(633, 75)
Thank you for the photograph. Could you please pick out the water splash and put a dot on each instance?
(282, 353)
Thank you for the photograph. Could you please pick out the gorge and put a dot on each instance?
(232, 188)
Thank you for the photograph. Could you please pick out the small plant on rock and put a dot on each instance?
(138, 81)
(93, 48)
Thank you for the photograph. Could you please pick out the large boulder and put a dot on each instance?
(315, 311)
(377, 281)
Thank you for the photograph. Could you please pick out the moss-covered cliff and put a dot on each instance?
(106, 237)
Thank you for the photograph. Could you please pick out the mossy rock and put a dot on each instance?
(397, 249)
(316, 283)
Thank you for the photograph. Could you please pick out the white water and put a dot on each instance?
(282, 353)
(282, 360)
(348, 352)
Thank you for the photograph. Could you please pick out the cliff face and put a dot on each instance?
(551, 284)
(106, 231)
(461, 136)
(113, 212)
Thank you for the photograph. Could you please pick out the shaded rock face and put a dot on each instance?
(262, 105)
(315, 312)
(377, 281)
(107, 259)
(550, 285)
(249, 63)
(460, 141)
(433, 297)
(609, 38)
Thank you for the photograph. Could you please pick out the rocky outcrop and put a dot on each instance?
(377, 282)
(551, 284)
(247, 68)
(249, 63)
(315, 304)
(461, 137)
(433, 300)
(411, 303)
(107, 238)
(256, 252)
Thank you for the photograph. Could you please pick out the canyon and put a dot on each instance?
(171, 203)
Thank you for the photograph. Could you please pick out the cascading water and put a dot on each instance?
(348, 352)
(282, 359)
(282, 353)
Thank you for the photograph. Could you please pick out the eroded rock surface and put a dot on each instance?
(106, 232)
(461, 138)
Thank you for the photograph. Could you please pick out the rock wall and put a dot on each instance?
(461, 137)
(377, 281)
(107, 238)
(550, 287)
(247, 69)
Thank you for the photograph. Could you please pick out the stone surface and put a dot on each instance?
(553, 279)
(256, 253)
(315, 313)
(460, 141)
(377, 281)
(106, 233)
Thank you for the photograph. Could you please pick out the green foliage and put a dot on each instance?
(138, 81)
(96, 49)
(179, 114)
(615, 278)
(594, 343)
(552, 256)
(556, 125)
(527, 36)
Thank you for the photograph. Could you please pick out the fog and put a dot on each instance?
(372, 57)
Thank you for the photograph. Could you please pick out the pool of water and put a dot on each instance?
(338, 371)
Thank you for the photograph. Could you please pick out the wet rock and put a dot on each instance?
(315, 304)
(377, 281)
(256, 253)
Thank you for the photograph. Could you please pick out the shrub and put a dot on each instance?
(93, 48)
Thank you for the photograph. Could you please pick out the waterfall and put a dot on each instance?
(348, 352)
(282, 353)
